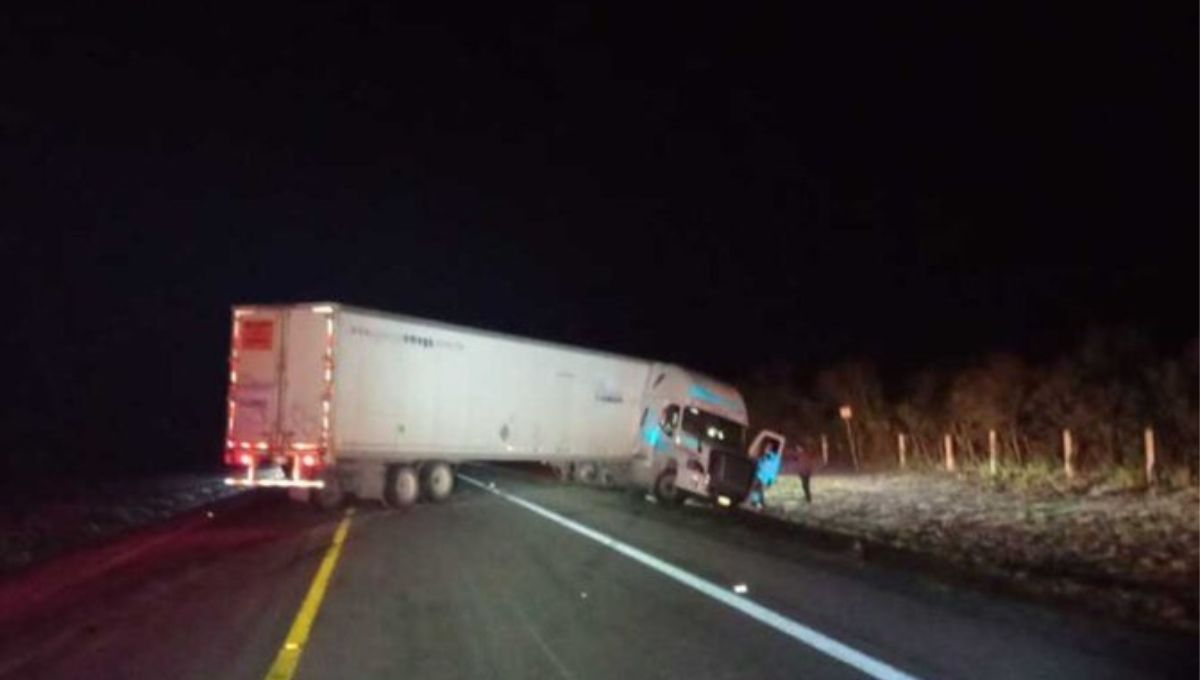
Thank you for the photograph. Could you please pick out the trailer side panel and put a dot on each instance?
(405, 389)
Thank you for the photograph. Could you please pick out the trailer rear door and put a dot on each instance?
(280, 371)
(306, 378)
(253, 381)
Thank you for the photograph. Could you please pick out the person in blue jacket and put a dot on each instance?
(766, 474)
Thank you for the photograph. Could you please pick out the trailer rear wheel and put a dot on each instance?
(401, 487)
(665, 490)
(331, 496)
(438, 481)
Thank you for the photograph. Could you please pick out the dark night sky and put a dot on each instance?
(722, 187)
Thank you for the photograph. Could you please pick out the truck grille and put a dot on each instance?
(730, 474)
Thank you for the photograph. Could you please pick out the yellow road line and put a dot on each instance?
(288, 658)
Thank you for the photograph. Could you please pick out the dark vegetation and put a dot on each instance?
(1111, 387)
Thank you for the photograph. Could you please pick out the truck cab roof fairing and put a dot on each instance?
(694, 389)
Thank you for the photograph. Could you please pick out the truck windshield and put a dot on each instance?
(713, 429)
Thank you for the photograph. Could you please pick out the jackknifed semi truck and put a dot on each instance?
(330, 400)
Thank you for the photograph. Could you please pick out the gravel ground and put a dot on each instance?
(1133, 554)
(39, 520)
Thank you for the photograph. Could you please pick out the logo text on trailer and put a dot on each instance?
(425, 341)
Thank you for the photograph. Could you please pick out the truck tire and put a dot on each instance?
(665, 490)
(331, 496)
(437, 479)
(401, 487)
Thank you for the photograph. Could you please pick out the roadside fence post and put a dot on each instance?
(1068, 454)
(1149, 438)
(993, 453)
(948, 444)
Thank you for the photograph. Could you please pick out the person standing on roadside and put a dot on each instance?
(804, 469)
(766, 474)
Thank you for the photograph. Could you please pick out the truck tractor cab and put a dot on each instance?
(693, 440)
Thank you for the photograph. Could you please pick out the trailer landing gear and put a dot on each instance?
(586, 473)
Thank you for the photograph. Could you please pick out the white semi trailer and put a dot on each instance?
(335, 400)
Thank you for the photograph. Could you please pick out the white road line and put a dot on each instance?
(797, 631)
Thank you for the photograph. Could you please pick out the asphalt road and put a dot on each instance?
(484, 587)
